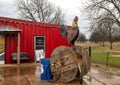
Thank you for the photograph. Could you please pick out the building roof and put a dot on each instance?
(20, 21)
(8, 29)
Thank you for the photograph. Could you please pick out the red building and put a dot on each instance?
(34, 37)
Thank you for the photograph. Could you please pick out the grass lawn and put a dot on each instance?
(99, 56)
(99, 53)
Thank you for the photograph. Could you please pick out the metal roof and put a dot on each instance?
(9, 29)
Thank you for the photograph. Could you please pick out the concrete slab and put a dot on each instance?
(29, 74)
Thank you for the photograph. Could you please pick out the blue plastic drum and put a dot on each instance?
(46, 74)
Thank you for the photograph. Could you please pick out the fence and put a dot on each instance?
(106, 58)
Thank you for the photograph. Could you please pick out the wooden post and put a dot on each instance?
(107, 60)
(18, 49)
(90, 51)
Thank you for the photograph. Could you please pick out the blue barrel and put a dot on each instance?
(46, 75)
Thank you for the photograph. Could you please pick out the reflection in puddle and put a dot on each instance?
(105, 77)
(104, 74)
(1, 77)
(16, 75)
(30, 75)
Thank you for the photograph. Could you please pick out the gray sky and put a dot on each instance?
(69, 7)
(7, 9)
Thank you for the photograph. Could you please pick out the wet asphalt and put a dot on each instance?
(29, 74)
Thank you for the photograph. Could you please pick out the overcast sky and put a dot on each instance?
(71, 8)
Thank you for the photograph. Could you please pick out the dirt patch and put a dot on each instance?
(116, 56)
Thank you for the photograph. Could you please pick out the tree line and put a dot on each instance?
(104, 17)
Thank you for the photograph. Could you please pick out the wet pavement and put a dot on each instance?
(29, 74)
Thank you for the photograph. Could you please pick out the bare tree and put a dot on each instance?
(106, 27)
(81, 38)
(40, 11)
(95, 37)
(103, 14)
(96, 8)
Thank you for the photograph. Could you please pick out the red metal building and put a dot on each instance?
(31, 33)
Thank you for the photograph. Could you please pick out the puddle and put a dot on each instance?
(104, 77)
(17, 75)
(30, 75)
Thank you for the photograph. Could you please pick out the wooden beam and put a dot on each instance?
(18, 49)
